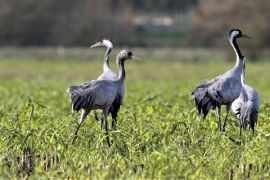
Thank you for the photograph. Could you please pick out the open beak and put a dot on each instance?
(246, 36)
(136, 58)
(98, 44)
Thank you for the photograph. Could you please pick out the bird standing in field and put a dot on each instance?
(247, 105)
(99, 94)
(108, 74)
(223, 89)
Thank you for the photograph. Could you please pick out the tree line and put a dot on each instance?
(77, 23)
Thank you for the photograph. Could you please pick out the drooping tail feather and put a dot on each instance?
(115, 106)
(206, 100)
(248, 115)
(77, 101)
(72, 89)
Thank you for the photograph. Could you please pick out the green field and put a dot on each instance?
(158, 136)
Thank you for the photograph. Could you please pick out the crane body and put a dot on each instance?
(99, 94)
(246, 106)
(223, 89)
(108, 74)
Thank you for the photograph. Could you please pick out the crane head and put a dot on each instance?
(126, 55)
(237, 33)
(103, 43)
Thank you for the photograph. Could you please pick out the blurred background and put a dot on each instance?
(184, 30)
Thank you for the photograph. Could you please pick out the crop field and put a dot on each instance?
(158, 135)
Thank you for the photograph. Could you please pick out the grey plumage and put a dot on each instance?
(108, 74)
(99, 94)
(223, 89)
(84, 97)
(246, 106)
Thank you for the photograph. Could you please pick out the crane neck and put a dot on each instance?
(243, 77)
(239, 56)
(106, 65)
(121, 68)
(243, 74)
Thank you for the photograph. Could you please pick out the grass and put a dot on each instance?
(158, 136)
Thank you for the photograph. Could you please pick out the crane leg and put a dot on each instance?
(253, 132)
(114, 122)
(241, 129)
(218, 112)
(105, 113)
(101, 122)
(228, 107)
(96, 116)
(83, 116)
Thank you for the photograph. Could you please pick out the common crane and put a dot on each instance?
(99, 94)
(108, 74)
(223, 89)
(247, 105)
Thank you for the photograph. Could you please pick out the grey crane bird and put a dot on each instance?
(99, 94)
(247, 105)
(108, 74)
(223, 89)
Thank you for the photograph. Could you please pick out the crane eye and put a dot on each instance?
(129, 54)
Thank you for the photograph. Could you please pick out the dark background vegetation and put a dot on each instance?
(140, 23)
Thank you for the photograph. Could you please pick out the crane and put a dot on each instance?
(99, 94)
(108, 74)
(223, 89)
(246, 106)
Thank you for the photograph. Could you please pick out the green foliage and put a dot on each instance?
(159, 134)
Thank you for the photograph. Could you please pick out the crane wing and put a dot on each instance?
(96, 94)
(204, 98)
(80, 87)
(202, 86)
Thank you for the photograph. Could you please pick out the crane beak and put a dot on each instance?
(97, 44)
(136, 58)
(246, 36)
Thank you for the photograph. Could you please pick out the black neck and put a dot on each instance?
(237, 49)
(122, 72)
